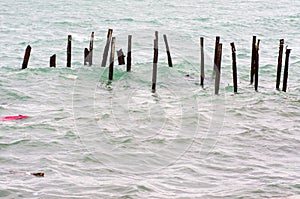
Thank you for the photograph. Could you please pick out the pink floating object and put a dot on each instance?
(18, 117)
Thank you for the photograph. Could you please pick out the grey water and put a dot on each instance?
(98, 139)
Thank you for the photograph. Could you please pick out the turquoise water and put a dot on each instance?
(95, 139)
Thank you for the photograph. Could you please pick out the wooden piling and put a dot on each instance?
(26, 57)
(106, 49)
(69, 51)
(155, 60)
(202, 76)
(253, 58)
(121, 56)
(218, 69)
(53, 61)
(256, 65)
(279, 65)
(216, 55)
(112, 57)
(129, 54)
(168, 51)
(234, 70)
(286, 69)
(86, 54)
(90, 55)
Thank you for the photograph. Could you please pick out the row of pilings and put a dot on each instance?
(110, 44)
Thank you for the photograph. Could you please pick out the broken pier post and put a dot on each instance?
(216, 54)
(111, 61)
(69, 51)
(155, 60)
(234, 70)
(106, 49)
(26, 57)
(218, 69)
(90, 55)
(121, 56)
(168, 51)
(279, 65)
(256, 65)
(286, 69)
(202, 76)
(253, 58)
(53, 61)
(129, 54)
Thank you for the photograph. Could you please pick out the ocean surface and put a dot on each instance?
(98, 139)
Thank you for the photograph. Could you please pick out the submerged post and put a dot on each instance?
(279, 65)
(253, 59)
(86, 54)
(218, 69)
(129, 54)
(112, 57)
(234, 70)
(90, 55)
(53, 61)
(26, 57)
(69, 49)
(202, 76)
(216, 55)
(121, 56)
(155, 59)
(105, 53)
(256, 65)
(168, 51)
(286, 69)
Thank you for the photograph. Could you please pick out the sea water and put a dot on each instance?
(98, 139)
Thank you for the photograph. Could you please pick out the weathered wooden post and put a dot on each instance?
(216, 54)
(26, 57)
(256, 65)
(218, 69)
(121, 56)
(155, 60)
(86, 54)
(168, 51)
(53, 61)
(202, 75)
(106, 49)
(69, 51)
(253, 58)
(279, 65)
(112, 57)
(129, 54)
(286, 69)
(234, 70)
(90, 55)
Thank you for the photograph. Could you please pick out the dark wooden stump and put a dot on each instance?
(168, 51)
(234, 70)
(112, 57)
(121, 56)
(90, 55)
(86, 55)
(279, 65)
(69, 51)
(253, 59)
(256, 65)
(218, 69)
(53, 61)
(155, 60)
(26, 57)
(286, 70)
(106, 49)
(216, 55)
(202, 75)
(129, 53)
